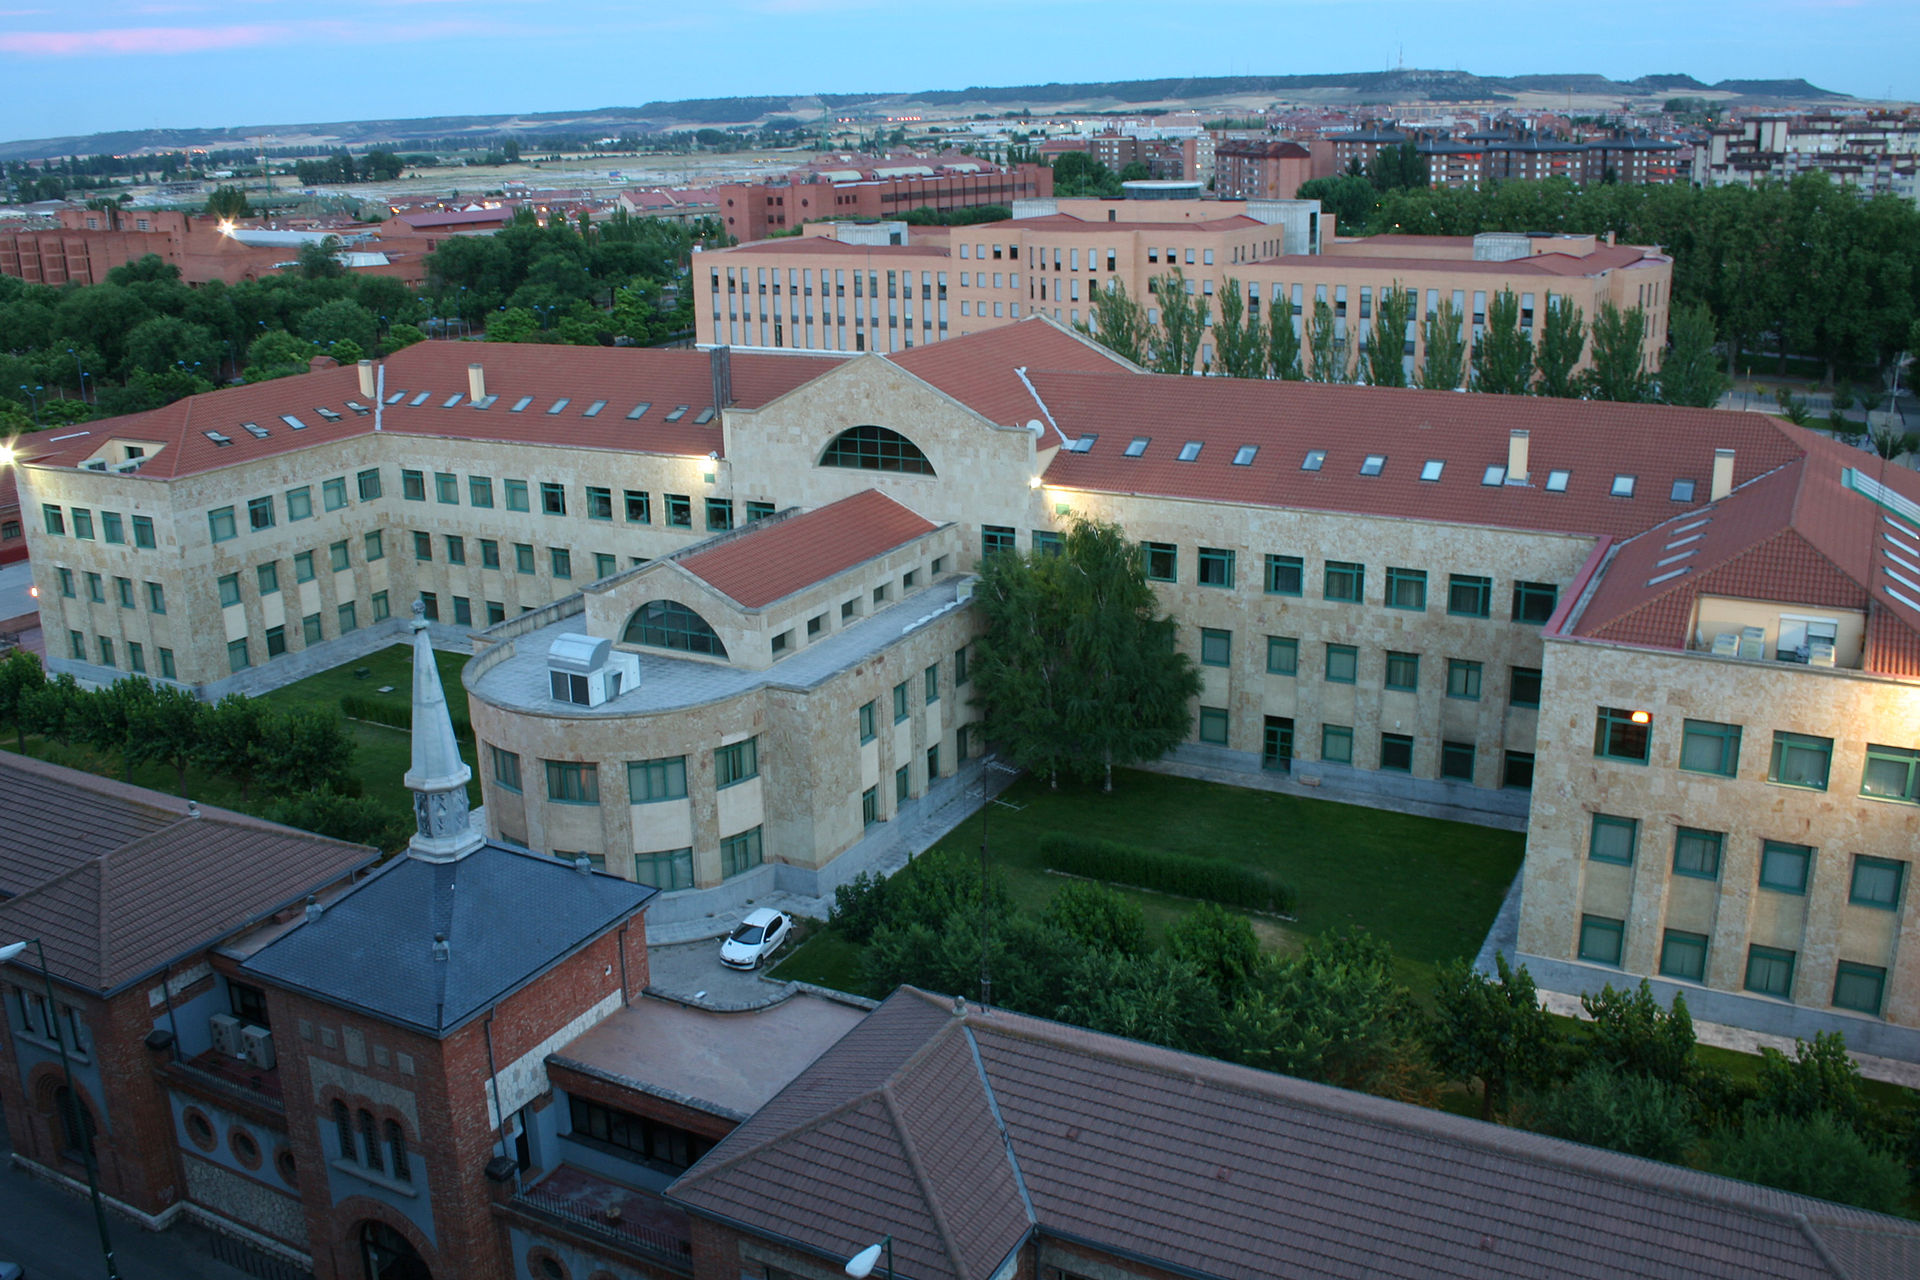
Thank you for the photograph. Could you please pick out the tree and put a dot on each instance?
(169, 730)
(277, 355)
(234, 740)
(1351, 200)
(1820, 1077)
(1492, 1031)
(305, 748)
(321, 261)
(1639, 1115)
(1630, 1034)
(355, 819)
(341, 320)
(1563, 340)
(111, 719)
(1095, 916)
(1329, 361)
(1332, 1012)
(1446, 348)
(1815, 1155)
(20, 675)
(1238, 343)
(1400, 168)
(228, 203)
(1619, 369)
(1220, 944)
(1283, 342)
(1503, 353)
(1075, 173)
(400, 335)
(1183, 322)
(168, 342)
(52, 709)
(1078, 670)
(515, 324)
(1386, 353)
(1153, 996)
(1691, 374)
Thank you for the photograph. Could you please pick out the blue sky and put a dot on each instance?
(68, 68)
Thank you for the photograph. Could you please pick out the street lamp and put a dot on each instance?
(33, 394)
(860, 1265)
(77, 1115)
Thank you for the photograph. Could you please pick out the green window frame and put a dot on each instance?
(1534, 602)
(422, 545)
(82, 523)
(446, 488)
(666, 870)
(1403, 671)
(106, 651)
(489, 554)
(1213, 725)
(229, 587)
(679, 510)
(310, 632)
(1707, 746)
(136, 657)
(57, 523)
(1800, 760)
(1396, 752)
(736, 762)
(97, 591)
(668, 624)
(77, 645)
(220, 524)
(1602, 940)
(1469, 596)
(413, 485)
(303, 566)
(639, 504)
(1523, 686)
(1697, 853)
(1861, 988)
(1345, 581)
(276, 641)
(867, 718)
(143, 533)
(1276, 745)
(874, 448)
(156, 598)
(656, 781)
(1162, 561)
(347, 616)
(338, 557)
(66, 582)
(1770, 971)
(376, 546)
(1877, 883)
(902, 785)
(1683, 955)
(515, 494)
(1785, 867)
(463, 611)
(1343, 662)
(523, 557)
(260, 513)
(166, 665)
(1216, 647)
(605, 565)
(719, 514)
(996, 538)
(1216, 567)
(960, 676)
(238, 659)
(123, 587)
(1407, 589)
(1285, 575)
(599, 502)
(300, 503)
(1891, 773)
(333, 493)
(1463, 679)
(1456, 760)
(480, 491)
(368, 483)
(572, 781)
(869, 806)
(1336, 743)
(456, 549)
(900, 702)
(1283, 656)
(381, 610)
(268, 575)
(933, 684)
(561, 560)
(757, 510)
(553, 498)
(1618, 736)
(1613, 839)
(1048, 543)
(112, 528)
(740, 853)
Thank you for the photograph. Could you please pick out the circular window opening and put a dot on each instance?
(244, 1148)
(287, 1166)
(544, 1264)
(199, 1130)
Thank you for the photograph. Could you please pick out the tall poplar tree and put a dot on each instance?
(1283, 342)
(1691, 373)
(1386, 363)
(1119, 323)
(1183, 320)
(1328, 355)
(1619, 369)
(1239, 345)
(1563, 340)
(1445, 362)
(1503, 353)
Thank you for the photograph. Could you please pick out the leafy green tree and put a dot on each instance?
(1118, 323)
(1183, 322)
(1332, 1012)
(1629, 1033)
(168, 342)
(1691, 373)
(515, 324)
(1098, 918)
(1446, 349)
(1503, 353)
(1815, 1155)
(400, 335)
(1283, 342)
(1493, 1031)
(228, 202)
(1220, 944)
(1152, 996)
(20, 675)
(1563, 340)
(1351, 200)
(167, 730)
(1636, 1114)
(1328, 354)
(304, 749)
(234, 740)
(341, 320)
(1400, 168)
(321, 261)
(1386, 353)
(1619, 369)
(1078, 670)
(1238, 343)
(52, 709)
(278, 355)
(112, 718)
(1820, 1077)
(101, 316)
(355, 819)
(1075, 173)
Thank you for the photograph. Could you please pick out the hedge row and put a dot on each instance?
(395, 716)
(1210, 879)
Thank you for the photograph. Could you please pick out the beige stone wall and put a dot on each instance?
(1823, 927)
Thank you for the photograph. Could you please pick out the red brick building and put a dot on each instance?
(1260, 170)
(751, 211)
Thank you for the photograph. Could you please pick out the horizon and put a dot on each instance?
(137, 65)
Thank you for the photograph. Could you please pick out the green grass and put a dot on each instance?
(826, 959)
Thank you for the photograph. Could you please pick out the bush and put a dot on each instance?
(1099, 918)
(1816, 1155)
(1220, 944)
(1631, 1034)
(1820, 1077)
(859, 906)
(1209, 879)
(393, 715)
(1641, 1115)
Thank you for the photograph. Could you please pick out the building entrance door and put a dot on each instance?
(389, 1255)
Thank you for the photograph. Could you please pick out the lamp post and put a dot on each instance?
(33, 394)
(82, 372)
(860, 1265)
(85, 1135)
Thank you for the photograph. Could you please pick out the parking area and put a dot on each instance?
(691, 971)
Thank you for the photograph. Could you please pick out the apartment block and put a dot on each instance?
(754, 210)
(1879, 153)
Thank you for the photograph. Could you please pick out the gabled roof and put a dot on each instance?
(118, 881)
(979, 370)
(961, 1133)
(773, 558)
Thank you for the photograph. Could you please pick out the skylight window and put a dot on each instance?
(560, 404)
(420, 399)
(255, 430)
(1431, 469)
(1084, 444)
(1244, 455)
(328, 414)
(1314, 459)
(293, 422)
(1674, 559)
(703, 417)
(1557, 481)
(593, 410)
(1682, 491)
(1138, 446)
(396, 397)
(358, 408)
(219, 440)
(1622, 487)
(1494, 475)
(485, 402)
(453, 400)
(521, 404)
(1668, 576)
(640, 411)
(1693, 524)
(1681, 542)
(679, 412)
(1372, 463)
(1190, 451)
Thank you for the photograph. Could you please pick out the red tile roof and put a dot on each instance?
(771, 559)
(827, 246)
(1073, 222)
(455, 218)
(1543, 264)
(979, 370)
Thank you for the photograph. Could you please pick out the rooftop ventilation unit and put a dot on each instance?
(587, 671)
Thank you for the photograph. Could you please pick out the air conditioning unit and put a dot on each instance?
(256, 1046)
(226, 1034)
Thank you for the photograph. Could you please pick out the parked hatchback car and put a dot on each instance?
(755, 938)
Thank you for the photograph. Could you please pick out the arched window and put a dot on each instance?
(668, 624)
(397, 1152)
(76, 1121)
(872, 448)
(370, 1139)
(343, 1127)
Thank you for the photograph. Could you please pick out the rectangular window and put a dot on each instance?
(413, 485)
(1216, 567)
(57, 523)
(456, 549)
(679, 511)
(1213, 725)
(1048, 543)
(1396, 752)
(1859, 987)
(652, 781)
(462, 611)
(1343, 661)
(1469, 596)
(869, 806)
(572, 782)
(960, 676)
(1876, 882)
(333, 493)
(345, 616)
(553, 498)
(1283, 575)
(106, 651)
(260, 513)
(1784, 867)
(736, 762)
(740, 853)
(1613, 839)
(1800, 760)
(900, 702)
(1403, 670)
(1524, 686)
(446, 488)
(310, 629)
(866, 722)
(1216, 647)
(667, 870)
(480, 491)
(995, 539)
(112, 529)
(299, 503)
(1283, 655)
(506, 768)
(1707, 746)
(902, 785)
(220, 525)
(229, 584)
(381, 612)
(719, 514)
(77, 645)
(1684, 955)
(1346, 581)
(604, 565)
(1463, 679)
(376, 546)
(1891, 773)
(933, 684)
(599, 503)
(761, 510)
(1276, 746)
(562, 560)
(639, 507)
(166, 664)
(1162, 560)
(1406, 589)
(337, 558)
(269, 576)
(1620, 734)
(515, 493)
(489, 554)
(422, 546)
(523, 557)
(1601, 939)
(1336, 743)
(1697, 853)
(136, 657)
(1456, 761)
(430, 605)
(123, 587)
(82, 523)
(1533, 602)
(1516, 771)
(237, 657)
(276, 641)
(156, 598)
(303, 566)
(1770, 972)
(369, 484)
(143, 533)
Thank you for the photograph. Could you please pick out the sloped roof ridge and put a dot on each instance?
(909, 1148)
(1819, 1246)
(1000, 1123)
(1694, 512)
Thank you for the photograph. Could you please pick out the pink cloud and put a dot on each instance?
(166, 41)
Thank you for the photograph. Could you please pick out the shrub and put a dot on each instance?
(1220, 944)
(1099, 918)
(1631, 1033)
(1819, 1077)
(1209, 879)
(394, 715)
(1641, 1115)
(859, 906)
(1816, 1155)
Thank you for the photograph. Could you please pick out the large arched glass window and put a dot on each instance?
(668, 624)
(876, 449)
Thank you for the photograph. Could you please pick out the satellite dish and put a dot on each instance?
(1034, 425)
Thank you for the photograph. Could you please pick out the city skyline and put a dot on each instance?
(134, 65)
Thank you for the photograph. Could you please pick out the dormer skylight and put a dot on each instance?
(521, 404)
(358, 408)
(1138, 446)
(1430, 469)
(560, 404)
(396, 397)
(1245, 454)
(639, 411)
(593, 410)
(255, 430)
(1557, 481)
(484, 402)
(327, 414)
(219, 440)
(1314, 460)
(1190, 451)
(1371, 465)
(1622, 487)
(703, 417)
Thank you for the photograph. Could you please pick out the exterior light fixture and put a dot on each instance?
(1641, 717)
(861, 1264)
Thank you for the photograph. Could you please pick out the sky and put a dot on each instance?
(68, 68)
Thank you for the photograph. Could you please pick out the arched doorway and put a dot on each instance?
(388, 1255)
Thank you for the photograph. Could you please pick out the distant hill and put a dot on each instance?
(1410, 85)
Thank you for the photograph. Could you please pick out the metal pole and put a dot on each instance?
(73, 1098)
(986, 982)
(889, 1244)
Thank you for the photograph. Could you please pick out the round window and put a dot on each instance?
(288, 1168)
(244, 1148)
(199, 1129)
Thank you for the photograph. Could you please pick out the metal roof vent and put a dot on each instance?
(586, 671)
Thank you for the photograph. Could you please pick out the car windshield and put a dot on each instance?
(746, 934)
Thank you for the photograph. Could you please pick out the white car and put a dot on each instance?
(762, 933)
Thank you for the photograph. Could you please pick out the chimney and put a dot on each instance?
(314, 909)
(440, 948)
(1517, 457)
(1722, 475)
(720, 364)
(476, 383)
(366, 379)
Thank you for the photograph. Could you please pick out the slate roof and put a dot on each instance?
(118, 881)
(507, 916)
(771, 559)
(964, 1134)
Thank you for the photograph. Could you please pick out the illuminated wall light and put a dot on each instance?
(1641, 717)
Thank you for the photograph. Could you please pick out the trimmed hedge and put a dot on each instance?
(1210, 879)
(400, 716)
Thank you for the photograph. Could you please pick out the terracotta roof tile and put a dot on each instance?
(979, 370)
(770, 559)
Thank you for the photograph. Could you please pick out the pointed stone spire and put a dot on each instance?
(438, 778)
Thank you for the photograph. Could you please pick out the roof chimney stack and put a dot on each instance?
(720, 363)
(1722, 475)
(476, 383)
(366, 379)
(1517, 457)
